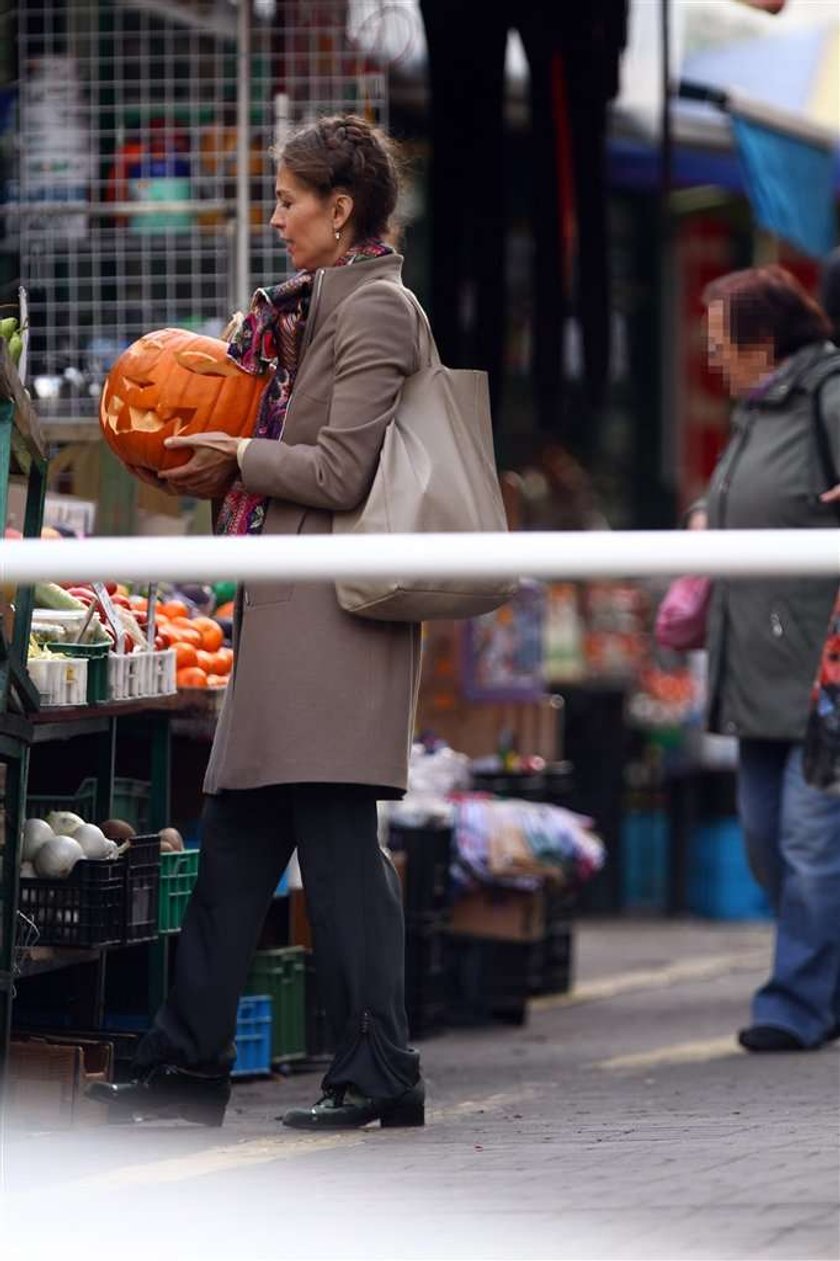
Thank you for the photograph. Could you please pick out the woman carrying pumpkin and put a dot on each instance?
(318, 717)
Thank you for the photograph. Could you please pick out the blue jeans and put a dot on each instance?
(792, 834)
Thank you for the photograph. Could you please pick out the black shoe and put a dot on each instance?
(166, 1091)
(769, 1038)
(346, 1109)
(833, 1033)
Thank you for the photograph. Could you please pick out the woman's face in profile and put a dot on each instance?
(307, 223)
(741, 367)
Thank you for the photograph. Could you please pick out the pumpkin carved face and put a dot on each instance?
(174, 382)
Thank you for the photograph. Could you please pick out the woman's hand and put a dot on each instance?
(151, 479)
(831, 496)
(211, 469)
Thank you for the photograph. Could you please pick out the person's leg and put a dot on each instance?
(801, 993)
(761, 767)
(355, 910)
(247, 843)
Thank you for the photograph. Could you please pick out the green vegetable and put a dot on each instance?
(8, 327)
(49, 595)
(224, 591)
(16, 347)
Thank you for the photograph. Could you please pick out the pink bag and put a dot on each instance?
(681, 617)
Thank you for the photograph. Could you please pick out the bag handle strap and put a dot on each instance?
(821, 435)
(433, 355)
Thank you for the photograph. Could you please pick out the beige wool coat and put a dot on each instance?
(318, 695)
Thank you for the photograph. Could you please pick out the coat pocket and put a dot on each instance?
(265, 594)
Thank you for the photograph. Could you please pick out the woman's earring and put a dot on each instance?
(337, 235)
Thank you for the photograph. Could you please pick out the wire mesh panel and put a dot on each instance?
(121, 141)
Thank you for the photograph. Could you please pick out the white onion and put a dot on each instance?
(64, 822)
(94, 841)
(57, 858)
(35, 833)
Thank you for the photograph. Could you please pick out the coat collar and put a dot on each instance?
(789, 376)
(334, 284)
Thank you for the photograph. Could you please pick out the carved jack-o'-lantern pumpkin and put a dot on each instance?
(173, 382)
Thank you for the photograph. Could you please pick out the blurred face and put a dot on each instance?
(307, 222)
(742, 367)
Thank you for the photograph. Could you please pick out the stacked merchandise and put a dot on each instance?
(99, 642)
(502, 917)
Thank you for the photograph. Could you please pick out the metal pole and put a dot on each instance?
(242, 279)
(669, 444)
(327, 557)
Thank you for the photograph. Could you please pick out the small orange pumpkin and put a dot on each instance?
(169, 383)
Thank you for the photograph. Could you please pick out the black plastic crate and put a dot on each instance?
(428, 854)
(425, 950)
(85, 910)
(550, 964)
(142, 888)
(426, 1002)
(488, 979)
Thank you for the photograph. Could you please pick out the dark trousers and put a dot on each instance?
(355, 911)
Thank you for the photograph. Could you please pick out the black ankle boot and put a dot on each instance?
(167, 1091)
(347, 1109)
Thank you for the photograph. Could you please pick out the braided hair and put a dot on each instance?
(344, 151)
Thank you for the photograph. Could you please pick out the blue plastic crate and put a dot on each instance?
(719, 883)
(253, 1036)
(644, 860)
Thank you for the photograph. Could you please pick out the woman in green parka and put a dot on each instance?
(770, 341)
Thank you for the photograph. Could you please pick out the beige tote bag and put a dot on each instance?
(436, 474)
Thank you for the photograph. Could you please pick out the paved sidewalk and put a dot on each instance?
(621, 1122)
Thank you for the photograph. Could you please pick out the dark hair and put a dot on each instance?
(346, 152)
(830, 289)
(768, 304)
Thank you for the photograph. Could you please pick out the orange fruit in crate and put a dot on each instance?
(223, 661)
(225, 610)
(192, 676)
(185, 655)
(173, 608)
(217, 680)
(206, 660)
(171, 383)
(211, 632)
(182, 631)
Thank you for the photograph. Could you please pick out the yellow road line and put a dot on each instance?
(250, 1152)
(654, 978)
(260, 1151)
(677, 1053)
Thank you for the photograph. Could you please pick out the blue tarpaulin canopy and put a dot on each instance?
(757, 124)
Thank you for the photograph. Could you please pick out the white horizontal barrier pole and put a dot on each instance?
(319, 558)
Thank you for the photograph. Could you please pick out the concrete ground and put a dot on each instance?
(621, 1122)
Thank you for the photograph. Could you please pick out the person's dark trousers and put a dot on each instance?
(355, 910)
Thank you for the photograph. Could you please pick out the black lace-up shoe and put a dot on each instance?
(769, 1038)
(166, 1091)
(347, 1109)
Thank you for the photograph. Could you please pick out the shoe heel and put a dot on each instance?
(210, 1114)
(404, 1113)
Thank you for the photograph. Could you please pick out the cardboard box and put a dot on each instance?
(500, 915)
(48, 1078)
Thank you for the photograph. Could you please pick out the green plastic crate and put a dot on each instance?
(178, 874)
(131, 803)
(82, 802)
(281, 973)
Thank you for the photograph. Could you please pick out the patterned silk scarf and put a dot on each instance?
(270, 338)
